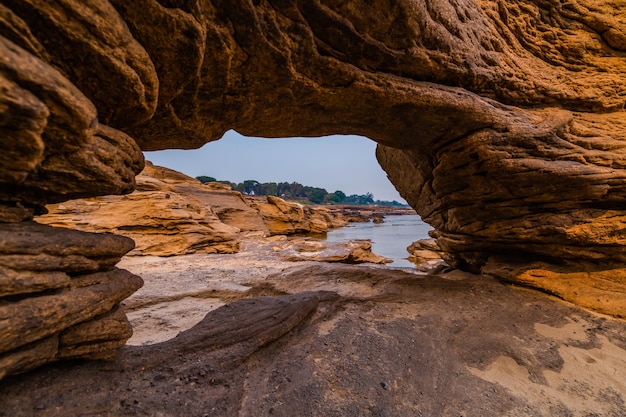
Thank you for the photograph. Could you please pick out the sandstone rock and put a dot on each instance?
(351, 252)
(96, 339)
(58, 150)
(382, 340)
(15, 213)
(29, 357)
(57, 289)
(173, 214)
(424, 250)
(501, 123)
(38, 247)
(161, 223)
(98, 35)
(286, 218)
(264, 319)
(230, 206)
(355, 216)
(599, 287)
(163, 217)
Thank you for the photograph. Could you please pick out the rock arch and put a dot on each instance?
(502, 124)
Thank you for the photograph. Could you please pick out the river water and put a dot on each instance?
(389, 239)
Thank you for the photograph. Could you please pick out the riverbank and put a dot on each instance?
(172, 214)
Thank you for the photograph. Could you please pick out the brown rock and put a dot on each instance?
(287, 218)
(169, 214)
(47, 246)
(501, 123)
(38, 317)
(161, 223)
(258, 322)
(229, 206)
(15, 213)
(364, 253)
(14, 282)
(99, 36)
(52, 279)
(29, 357)
(58, 150)
(599, 287)
(173, 214)
(384, 344)
(351, 252)
(424, 250)
(98, 338)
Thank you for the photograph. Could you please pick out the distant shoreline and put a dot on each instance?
(375, 210)
(362, 209)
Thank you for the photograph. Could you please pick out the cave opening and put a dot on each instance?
(337, 162)
(343, 166)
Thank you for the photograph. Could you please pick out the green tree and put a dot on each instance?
(337, 197)
(317, 195)
(249, 186)
(204, 179)
(297, 190)
(282, 189)
(360, 200)
(271, 188)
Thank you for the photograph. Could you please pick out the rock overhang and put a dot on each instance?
(501, 123)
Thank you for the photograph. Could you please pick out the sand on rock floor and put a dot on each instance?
(251, 334)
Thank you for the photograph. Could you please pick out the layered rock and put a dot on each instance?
(161, 221)
(173, 214)
(57, 148)
(60, 295)
(366, 341)
(502, 123)
(286, 218)
(59, 290)
(424, 250)
(350, 252)
(229, 206)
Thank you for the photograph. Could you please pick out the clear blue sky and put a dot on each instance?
(345, 163)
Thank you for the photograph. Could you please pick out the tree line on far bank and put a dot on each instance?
(297, 191)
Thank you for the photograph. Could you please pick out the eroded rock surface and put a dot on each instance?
(159, 219)
(286, 218)
(355, 341)
(173, 214)
(501, 123)
(60, 295)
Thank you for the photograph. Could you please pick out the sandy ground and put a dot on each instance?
(179, 291)
(250, 334)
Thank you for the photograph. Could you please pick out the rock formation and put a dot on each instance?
(173, 214)
(501, 123)
(351, 252)
(352, 341)
(286, 218)
(60, 294)
(161, 221)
